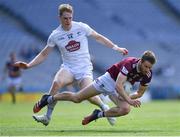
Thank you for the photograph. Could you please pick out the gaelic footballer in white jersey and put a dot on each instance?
(73, 45)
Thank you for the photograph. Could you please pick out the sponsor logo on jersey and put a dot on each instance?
(72, 46)
(148, 74)
(70, 36)
(78, 33)
(61, 38)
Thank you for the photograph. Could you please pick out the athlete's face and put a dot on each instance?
(145, 67)
(66, 20)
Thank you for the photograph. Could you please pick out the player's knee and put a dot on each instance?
(126, 110)
(76, 99)
(56, 85)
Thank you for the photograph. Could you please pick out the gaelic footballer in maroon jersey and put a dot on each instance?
(131, 68)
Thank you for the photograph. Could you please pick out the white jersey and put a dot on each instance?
(73, 45)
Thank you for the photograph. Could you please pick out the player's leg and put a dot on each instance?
(83, 94)
(75, 97)
(12, 90)
(96, 100)
(122, 108)
(62, 78)
(19, 84)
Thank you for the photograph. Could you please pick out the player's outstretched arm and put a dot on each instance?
(139, 92)
(21, 64)
(37, 60)
(105, 41)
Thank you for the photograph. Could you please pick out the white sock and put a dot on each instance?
(100, 114)
(50, 109)
(50, 99)
(104, 107)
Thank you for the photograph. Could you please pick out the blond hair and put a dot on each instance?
(149, 56)
(65, 7)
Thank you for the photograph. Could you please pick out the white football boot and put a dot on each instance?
(42, 119)
(111, 120)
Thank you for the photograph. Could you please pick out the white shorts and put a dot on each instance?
(105, 84)
(17, 82)
(81, 73)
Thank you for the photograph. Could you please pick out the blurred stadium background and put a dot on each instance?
(137, 25)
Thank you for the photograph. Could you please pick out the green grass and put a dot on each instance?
(158, 118)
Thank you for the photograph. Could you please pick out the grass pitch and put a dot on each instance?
(157, 118)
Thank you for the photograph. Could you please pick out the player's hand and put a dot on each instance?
(21, 64)
(124, 51)
(134, 103)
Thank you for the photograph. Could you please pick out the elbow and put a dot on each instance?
(140, 95)
(98, 39)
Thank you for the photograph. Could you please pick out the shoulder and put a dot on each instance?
(8, 62)
(80, 24)
(128, 64)
(55, 32)
(130, 61)
(58, 29)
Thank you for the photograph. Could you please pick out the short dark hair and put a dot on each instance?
(148, 56)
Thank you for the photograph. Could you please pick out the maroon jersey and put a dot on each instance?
(128, 67)
(12, 70)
